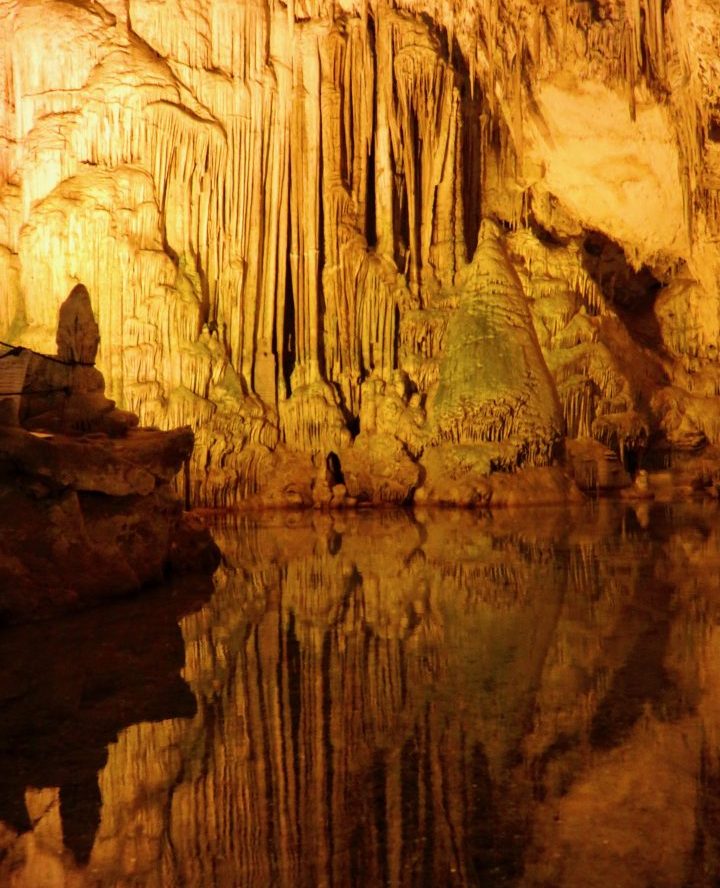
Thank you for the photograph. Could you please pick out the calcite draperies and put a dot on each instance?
(272, 205)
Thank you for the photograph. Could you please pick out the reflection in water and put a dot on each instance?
(389, 699)
(67, 688)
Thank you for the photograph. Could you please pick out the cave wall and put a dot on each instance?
(283, 216)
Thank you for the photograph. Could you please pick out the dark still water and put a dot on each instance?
(435, 699)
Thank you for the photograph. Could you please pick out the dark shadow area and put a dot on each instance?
(632, 460)
(68, 687)
(631, 293)
(658, 457)
(401, 213)
(438, 31)
(353, 424)
(496, 841)
(287, 348)
(471, 150)
(370, 205)
(596, 10)
(643, 678)
(543, 235)
(335, 473)
(370, 222)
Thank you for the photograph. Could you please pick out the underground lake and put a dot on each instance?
(400, 698)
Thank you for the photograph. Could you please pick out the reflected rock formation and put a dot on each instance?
(399, 700)
(68, 689)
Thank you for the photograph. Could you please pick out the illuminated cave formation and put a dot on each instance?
(440, 240)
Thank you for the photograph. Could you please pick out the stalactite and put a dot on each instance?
(307, 180)
(376, 320)
(347, 128)
(578, 401)
(427, 103)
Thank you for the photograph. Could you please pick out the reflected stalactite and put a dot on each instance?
(422, 699)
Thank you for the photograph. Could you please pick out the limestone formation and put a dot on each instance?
(84, 520)
(281, 209)
(88, 506)
(67, 393)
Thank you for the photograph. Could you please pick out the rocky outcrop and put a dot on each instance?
(275, 208)
(89, 519)
(88, 509)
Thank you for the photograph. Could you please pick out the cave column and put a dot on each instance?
(383, 156)
(272, 281)
(305, 166)
(442, 203)
(255, 234)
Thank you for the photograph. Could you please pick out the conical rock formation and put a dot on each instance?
(273, 206)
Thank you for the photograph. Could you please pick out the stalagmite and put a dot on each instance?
(275, 207)
(493, 383)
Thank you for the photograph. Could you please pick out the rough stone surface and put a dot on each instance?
(275, 209)
(85, 516)
(84, 521)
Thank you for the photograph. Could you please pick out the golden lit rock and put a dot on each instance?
(275, 208)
